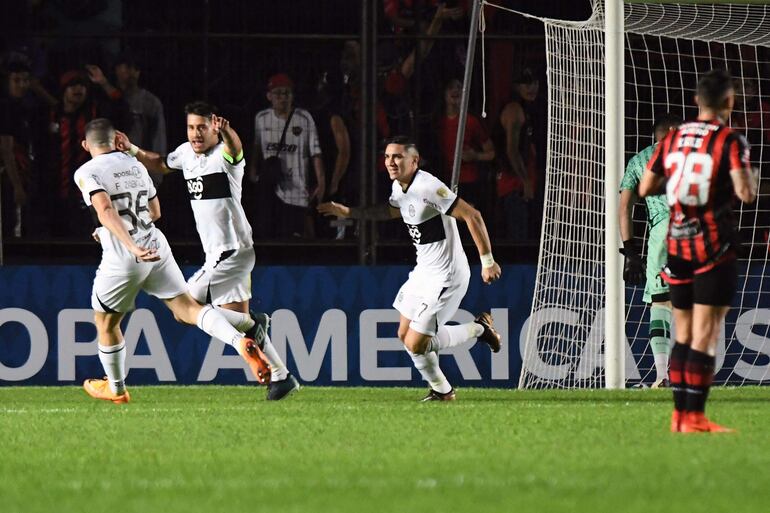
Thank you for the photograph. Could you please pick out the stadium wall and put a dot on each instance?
(334, 325)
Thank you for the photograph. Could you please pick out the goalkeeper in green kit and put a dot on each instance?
(634, 269)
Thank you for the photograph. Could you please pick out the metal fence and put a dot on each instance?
(223, 53)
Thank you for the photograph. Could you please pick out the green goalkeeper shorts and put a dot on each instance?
(656, 259)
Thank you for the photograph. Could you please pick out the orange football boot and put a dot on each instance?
(100, 389)
(697, 422)
(256, 360)
(676, 420)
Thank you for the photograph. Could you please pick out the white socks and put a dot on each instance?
(113, 360)
(278, 368)
(240, 321)
(216, 325)
(427, 364)
(451, 336)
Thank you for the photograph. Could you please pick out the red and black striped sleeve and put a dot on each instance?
(655, 163)
(739, 153)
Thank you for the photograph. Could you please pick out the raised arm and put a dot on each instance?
(490, 270)
(110, 219)
(151, 160)
(233, 145)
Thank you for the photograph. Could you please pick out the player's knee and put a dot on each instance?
(417, 346)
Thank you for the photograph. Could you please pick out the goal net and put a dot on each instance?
(667, 47)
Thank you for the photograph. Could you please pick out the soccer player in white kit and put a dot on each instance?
(437, 284)
(136, 256)
(213, 170)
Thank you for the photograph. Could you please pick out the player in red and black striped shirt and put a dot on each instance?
(703, 165)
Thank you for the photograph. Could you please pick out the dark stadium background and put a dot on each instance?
(223, 52)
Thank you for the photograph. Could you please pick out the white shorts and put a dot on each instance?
(224, 278)
(120, 278)
(429, 306)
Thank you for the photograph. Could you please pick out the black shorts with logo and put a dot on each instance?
(712, 285)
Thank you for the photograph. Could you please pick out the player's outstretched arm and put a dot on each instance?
(110, 219)
(490, 270)
(233, 145)
(151, 160)
(374, 213)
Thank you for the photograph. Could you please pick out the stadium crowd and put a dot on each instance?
(48, 96)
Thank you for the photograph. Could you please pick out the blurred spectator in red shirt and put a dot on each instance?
(477, 146)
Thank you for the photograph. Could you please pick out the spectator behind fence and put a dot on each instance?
(477, 147)
(334, 139)
(288, 133)
(22, 132)
(68, 120)
(148, 123)
(517, 174)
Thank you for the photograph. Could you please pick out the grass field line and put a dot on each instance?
(326, 482)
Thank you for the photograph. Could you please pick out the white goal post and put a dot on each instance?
(609, 77)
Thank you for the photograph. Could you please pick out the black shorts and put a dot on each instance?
(712, 285)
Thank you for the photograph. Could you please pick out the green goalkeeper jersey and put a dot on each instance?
(657, 207)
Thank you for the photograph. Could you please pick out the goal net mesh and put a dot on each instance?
(667, 47)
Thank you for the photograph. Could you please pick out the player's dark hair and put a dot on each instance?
(713, 86)
(200, 109)
(666, 121)
(100, 131)
(404, 141)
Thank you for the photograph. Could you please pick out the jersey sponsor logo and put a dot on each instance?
(286, 148)
(431, 204)
(428, 231)
(213, 186)
(134, 172)
(685, 230)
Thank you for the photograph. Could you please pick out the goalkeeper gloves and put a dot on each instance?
(633, 267)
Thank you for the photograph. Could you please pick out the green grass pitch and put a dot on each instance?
(224, 449)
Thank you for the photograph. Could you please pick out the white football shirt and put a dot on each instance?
(130, 188)
(425, 206)
(300, 145)
(214, 187)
